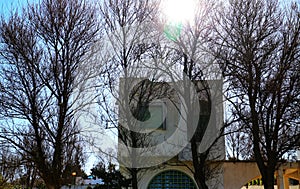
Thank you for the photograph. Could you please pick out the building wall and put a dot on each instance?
(167, 150)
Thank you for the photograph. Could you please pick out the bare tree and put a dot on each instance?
(197, 67)
(238, 143)
(28, 175)
(10, 163)
(15, 169)
(126, 25)
(257, 45)
(44, 54)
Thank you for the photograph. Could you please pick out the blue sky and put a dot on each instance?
(7, 5)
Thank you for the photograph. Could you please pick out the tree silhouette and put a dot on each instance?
(257, 45)
(44, 56)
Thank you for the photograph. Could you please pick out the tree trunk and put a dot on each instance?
(268, 178)
(199, 165)
(266, 168)
(134, 178)
(200, 179)
(52, 185)
(51, 180)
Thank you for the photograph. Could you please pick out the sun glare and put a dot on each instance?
(178, 11)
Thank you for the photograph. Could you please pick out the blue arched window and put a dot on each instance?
(172, 180)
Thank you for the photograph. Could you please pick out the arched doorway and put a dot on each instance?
(172, 179)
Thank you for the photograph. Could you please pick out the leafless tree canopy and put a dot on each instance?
(126, 29)
(43, 50)
(257, 44)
